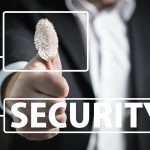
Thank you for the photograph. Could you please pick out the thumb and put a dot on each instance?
(46, 42)
(37, 63)
(52, 63)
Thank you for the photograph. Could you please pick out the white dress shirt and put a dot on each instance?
(109, 59)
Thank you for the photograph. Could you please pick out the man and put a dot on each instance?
(138, 66)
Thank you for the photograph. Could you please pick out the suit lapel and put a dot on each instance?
(139, 34)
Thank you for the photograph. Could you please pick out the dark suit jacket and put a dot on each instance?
(19, 36)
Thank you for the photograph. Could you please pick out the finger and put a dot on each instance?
(54, 63)
(51, 84)
(62, 118)
(41, 136)
(50, 101)
(37, 63)
(46, 40)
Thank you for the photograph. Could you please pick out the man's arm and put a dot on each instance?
(33, 84)
(38, 85)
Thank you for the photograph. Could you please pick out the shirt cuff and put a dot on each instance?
(3, 75)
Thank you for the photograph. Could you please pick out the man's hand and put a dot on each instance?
(39, 85)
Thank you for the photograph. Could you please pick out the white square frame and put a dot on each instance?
(75, 132)
(66, 12)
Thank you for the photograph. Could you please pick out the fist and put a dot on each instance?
(39, 85)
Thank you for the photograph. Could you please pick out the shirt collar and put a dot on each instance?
(124, 7)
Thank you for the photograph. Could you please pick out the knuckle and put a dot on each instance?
(60, 110)
(64, 88)
(39, 137)
(62, 118)
(60, 84)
